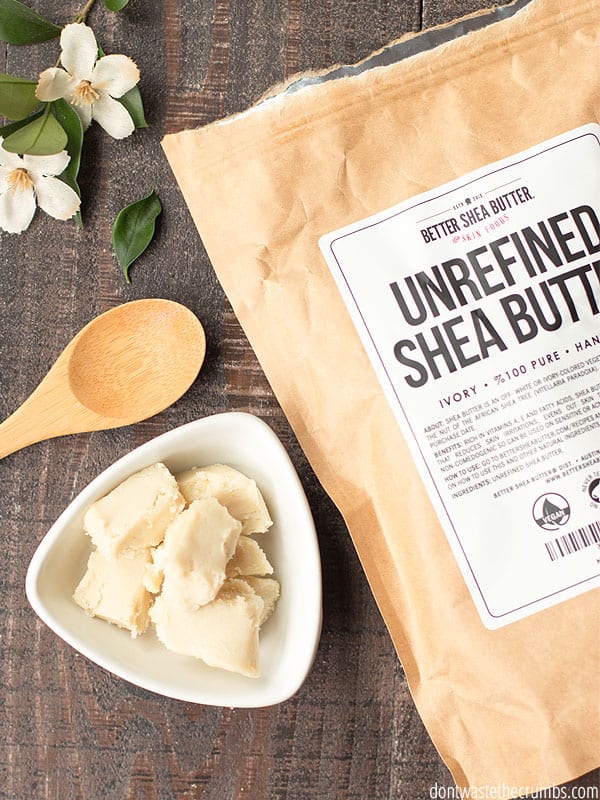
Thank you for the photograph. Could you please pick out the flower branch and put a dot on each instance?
(49, 117)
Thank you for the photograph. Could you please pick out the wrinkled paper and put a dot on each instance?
(517, 706)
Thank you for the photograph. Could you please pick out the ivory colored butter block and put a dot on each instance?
(248, 559)
(268, 590)
(113, 589)
(223, 633)
(238, 493)
(195, 552)
(136, 514)
(153, 576)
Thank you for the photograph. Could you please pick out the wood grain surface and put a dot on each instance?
(68, 729)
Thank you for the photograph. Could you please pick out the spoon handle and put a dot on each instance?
(17, 432)
(48, 412)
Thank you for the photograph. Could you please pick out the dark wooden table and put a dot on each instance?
(68, 728)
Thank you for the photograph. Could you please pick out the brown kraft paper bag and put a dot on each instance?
(516, 706)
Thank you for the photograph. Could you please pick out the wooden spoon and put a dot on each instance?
(124, 366)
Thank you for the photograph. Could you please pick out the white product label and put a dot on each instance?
(479, 306)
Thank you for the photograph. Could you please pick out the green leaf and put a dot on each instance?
(133, 230)
(115, 5)
(42, 137)
(20, 24)
(17, 97)
(69, 121)
(132, 100)
(6, 130)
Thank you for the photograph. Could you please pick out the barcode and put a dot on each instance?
(574, 541)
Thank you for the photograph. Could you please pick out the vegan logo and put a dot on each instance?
(551, 511)
(593, 490)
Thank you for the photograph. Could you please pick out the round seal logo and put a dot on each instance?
(593, 490)
(551, 511)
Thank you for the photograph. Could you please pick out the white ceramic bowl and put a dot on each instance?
(288, 640)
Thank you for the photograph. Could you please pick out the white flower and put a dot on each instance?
(90, 83)
(23, 181)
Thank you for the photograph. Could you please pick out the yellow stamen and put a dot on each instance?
(18, 180)
(84, 94)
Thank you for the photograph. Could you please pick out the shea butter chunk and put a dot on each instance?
(195, 552)
(153, 576)
(173, 554)
(248, 559)
(268, 590)
(223, 633)
(239, 494)
(135, 515)
(113, 589)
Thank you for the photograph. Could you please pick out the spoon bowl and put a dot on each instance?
(124, 366)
